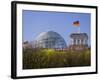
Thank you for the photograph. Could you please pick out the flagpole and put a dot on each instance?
(79, 29)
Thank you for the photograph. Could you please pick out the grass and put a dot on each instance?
(49, 58)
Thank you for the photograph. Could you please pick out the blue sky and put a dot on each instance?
(35, 22)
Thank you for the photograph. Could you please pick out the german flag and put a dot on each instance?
(76, 23)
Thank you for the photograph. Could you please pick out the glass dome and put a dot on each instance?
(49, 39)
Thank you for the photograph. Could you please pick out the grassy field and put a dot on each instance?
(49, 58)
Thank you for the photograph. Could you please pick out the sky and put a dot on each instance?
(35, 22)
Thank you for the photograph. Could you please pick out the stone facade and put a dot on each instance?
(79, 41)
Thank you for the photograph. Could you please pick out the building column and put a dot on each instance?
(85, 42)
(73, 41)
(76, 41)
(80, 41)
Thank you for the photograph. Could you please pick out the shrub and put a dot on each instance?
(50, 58)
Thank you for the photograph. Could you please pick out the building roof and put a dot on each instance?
(51, 39)
(79, 35)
